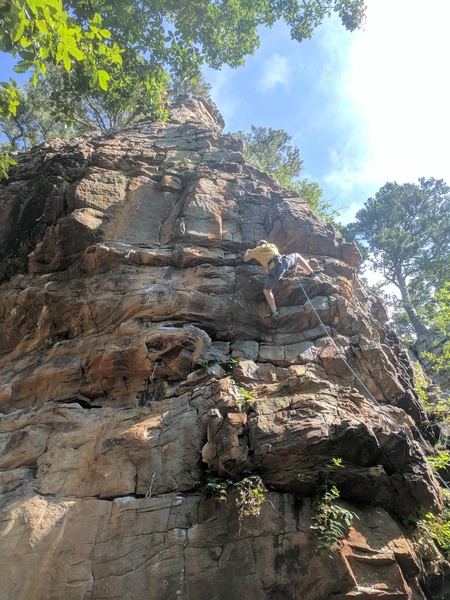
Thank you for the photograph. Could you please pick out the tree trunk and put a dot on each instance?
(420, 329)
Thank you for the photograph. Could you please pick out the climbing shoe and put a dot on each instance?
(315, 272)
(274, 313)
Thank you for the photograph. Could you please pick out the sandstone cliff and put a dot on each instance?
(137, 366)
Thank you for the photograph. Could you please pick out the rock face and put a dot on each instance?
(138, 371)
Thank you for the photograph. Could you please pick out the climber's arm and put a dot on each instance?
(247, 256)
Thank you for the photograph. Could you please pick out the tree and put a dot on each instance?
(43, 115)
(181, 86)
(271, 151)
(136, 90)
(406, 230)
(43, 32)
(150, 39)
(441, 320)
(312, 193)
(35, 121)
(63, 104)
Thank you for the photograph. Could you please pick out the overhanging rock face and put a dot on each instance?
(137, 366)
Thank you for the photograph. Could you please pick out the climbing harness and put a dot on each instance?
(275, 261)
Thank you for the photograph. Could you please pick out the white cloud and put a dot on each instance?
(276, 71)
(390, 101)
(398, 73)
(365, 107)
(348, 164)
(347, 214)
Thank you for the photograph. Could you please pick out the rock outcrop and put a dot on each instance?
(137, 367)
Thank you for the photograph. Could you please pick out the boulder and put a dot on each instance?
(143, 392)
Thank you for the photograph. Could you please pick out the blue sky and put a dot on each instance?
(364, 108)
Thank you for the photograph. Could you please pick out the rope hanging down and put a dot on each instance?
(342, 356)
(444, 483)
(339, 352)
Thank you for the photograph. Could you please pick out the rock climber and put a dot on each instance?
(268, 256)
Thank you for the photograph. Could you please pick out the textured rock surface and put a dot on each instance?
(125, 306)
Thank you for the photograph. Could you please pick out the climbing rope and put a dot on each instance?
(153, 372)
(148, 494)
(342, 356)
(444, 483)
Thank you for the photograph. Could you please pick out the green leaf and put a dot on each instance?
(66, 61)
(77, 53)
(59, 52)
(103, 78)
(42, 26)
(26, 55)
(5, 162)
(19, 31)
(22, 67)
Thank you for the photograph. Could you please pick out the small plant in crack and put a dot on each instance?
(330, 520)
(251, 494)
(229, 367)
(440, 461)
(435, 528)
(218, 488)
(202, 363)
(243, 396)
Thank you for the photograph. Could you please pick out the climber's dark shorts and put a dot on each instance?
(274, 275)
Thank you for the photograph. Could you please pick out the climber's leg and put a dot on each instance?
(270, 300)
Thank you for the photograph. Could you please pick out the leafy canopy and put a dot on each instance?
(43, 32)
(128, 47)
(33, 122)
(271, 151)
(43, 115)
